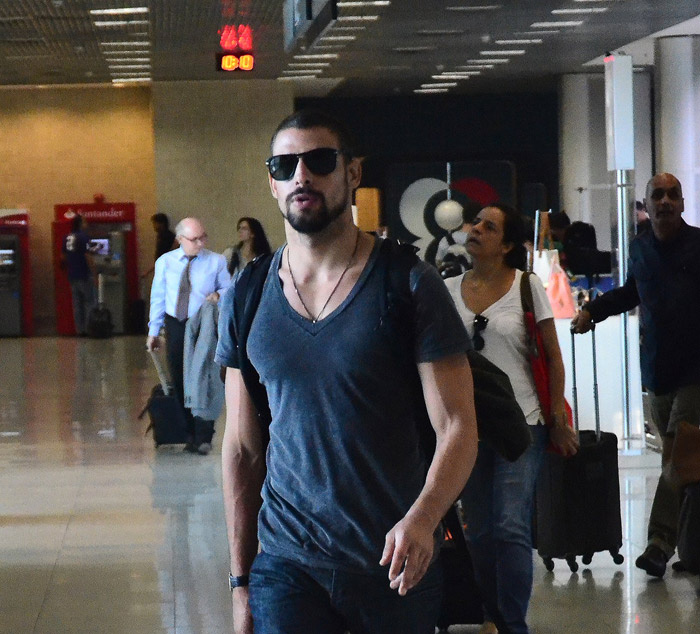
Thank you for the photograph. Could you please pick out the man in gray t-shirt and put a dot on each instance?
(340, 495)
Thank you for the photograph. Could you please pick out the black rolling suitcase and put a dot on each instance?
(166, 414)
(578, 498)
(99, 319)
(461, 602)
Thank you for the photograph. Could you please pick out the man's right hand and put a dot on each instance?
(242, 618)
(582, 322)
(152, 343)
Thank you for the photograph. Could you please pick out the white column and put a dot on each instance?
(677, 89)
(582, 151)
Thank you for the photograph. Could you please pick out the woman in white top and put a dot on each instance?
(252, 242)
(498, 499)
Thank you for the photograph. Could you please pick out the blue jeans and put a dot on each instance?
(83, 292)
(290, 598)
(498, 503)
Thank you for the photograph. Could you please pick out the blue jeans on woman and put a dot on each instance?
(290, 598)
(498, 503)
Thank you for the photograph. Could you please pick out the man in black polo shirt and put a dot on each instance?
(664, 280)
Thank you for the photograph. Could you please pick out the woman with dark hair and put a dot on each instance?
(498, 499)
(252, 242)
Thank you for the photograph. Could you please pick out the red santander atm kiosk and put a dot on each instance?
(112, 228)
(16, 308)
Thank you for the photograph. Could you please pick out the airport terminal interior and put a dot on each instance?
(119, 109)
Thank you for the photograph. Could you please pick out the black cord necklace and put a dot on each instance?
(335, 288)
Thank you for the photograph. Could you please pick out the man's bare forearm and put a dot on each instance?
(243, 476)
(243, 473)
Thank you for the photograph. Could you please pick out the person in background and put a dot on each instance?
(664, 280)
(184, 279)
(252, 242)
(498, 499)
(641, 218)
(76, 257)
(341, 498)
(165, 238)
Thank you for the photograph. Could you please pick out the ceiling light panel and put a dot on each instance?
(518, 42)
(122, 11)
(579, 11)
(562, 23)
(482, 7)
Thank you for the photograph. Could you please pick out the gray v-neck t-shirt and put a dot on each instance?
(344, 462)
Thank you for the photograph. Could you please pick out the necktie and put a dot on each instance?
(183, 295)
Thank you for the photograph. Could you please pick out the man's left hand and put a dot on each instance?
(409, 550)
(213, 298)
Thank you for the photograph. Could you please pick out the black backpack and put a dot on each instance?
(500, 420)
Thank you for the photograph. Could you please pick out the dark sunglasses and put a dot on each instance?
(480, 323)
(321, 161)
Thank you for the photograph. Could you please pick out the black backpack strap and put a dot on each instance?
(246, 299)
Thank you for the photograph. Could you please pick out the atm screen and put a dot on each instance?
(99, 246)
(7, 257)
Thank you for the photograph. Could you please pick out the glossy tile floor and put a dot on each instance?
(100, 533)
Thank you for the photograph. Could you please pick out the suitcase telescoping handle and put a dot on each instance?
(162, 376)
(574, 391)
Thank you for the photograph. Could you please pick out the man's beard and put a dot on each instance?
(313, 221)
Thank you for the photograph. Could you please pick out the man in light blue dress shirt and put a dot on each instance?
(208, 278)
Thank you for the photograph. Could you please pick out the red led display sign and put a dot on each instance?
(227, 62)
(236, 37)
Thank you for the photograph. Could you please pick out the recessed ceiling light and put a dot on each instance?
(308, 64)
(307, 71)
(339, 38)
(108, 23)
(358, 18)
(476, 67)
(516, 42)
(296, 78)
(129, 59)
(431, 90)
(130, 66)
(450, 76)
(488, 61)
(329, 46)
(140, 43)
(129, 80)
(518, 51)
(126, 74)
(451, 84)
(414, 49)
(350, 28)
(124, 11)
(538, 32)
(547, 25)
(582, 10)
(363, 3)
(317, 56)
(483, 7)
(440, 32)
(130, 52)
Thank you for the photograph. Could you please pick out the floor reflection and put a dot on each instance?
(99, 532)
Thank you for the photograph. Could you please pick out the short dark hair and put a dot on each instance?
(307, 119)
(161, 219)
(513, 233)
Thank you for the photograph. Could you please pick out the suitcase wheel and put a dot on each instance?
(617, 557)
(586, 559)
(571, 560)
(548, 563)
